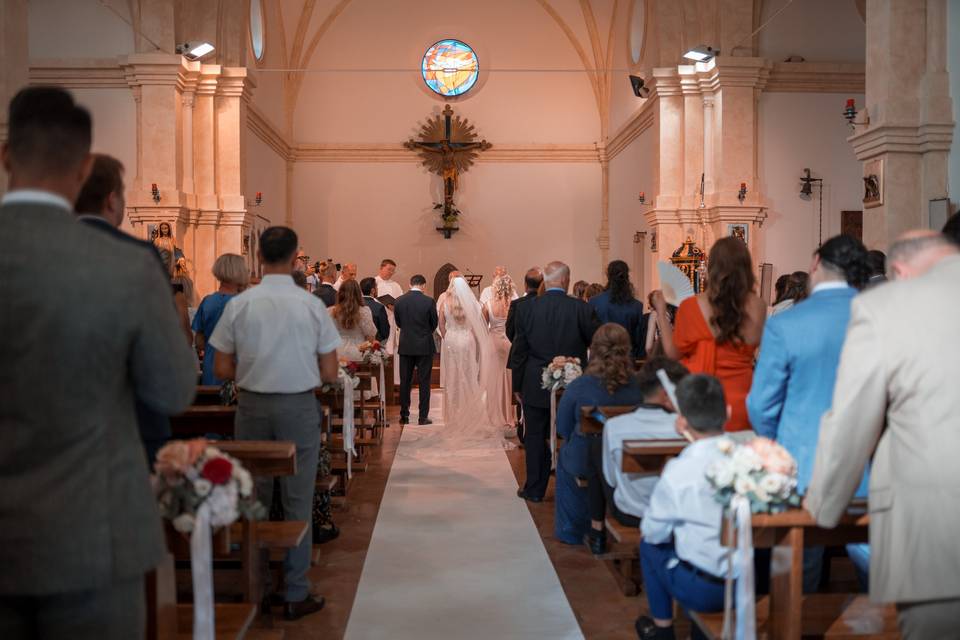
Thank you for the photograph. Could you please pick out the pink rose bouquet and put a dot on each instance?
(759, 470)
(560, 373)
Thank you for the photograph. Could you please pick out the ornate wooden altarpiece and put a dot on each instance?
(691, 260)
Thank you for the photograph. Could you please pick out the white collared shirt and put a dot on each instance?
(35, 196)
(683, 507)
(276, 330)
(832, 284)
(632, 491)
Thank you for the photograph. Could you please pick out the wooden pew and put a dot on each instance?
(650, 456)
(788, 614)
(207, 395)
(167, 620)
(589, 425)
(262, 457)
(199, 420)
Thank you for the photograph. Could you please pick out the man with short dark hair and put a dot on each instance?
(628, 494)
(101, 204)
(680, 553)
(368, 287)
(278, 343)
(416, 316)
(79, 525)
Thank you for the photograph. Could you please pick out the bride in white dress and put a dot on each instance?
(470, 365)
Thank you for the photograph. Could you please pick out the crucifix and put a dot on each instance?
(448, 146)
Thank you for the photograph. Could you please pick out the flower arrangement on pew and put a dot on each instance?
(346, 373)
(756, 476)
(760, 471)
(372, 352)
(191, 474)
(560, 372)
(199, 488)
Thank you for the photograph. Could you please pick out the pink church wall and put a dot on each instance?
(518, 215)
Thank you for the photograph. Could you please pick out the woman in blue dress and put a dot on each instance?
(230, 270)
(608, 380)
(618, 304)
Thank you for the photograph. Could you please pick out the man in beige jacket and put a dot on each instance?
(896, 393)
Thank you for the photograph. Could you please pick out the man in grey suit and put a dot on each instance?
(895, 393)
(78, 521)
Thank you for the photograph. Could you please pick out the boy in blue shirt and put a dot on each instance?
(681, 555)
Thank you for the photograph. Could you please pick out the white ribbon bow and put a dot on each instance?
(348, 424)
(739, 517)
(553, 428)
(201, 559)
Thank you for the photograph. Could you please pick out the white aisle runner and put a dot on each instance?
(455, 554)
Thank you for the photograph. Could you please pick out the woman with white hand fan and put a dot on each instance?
(717, 332)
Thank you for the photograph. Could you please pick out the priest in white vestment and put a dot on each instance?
(386, 286)
(487, 294)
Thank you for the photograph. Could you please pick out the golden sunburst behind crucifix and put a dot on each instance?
(448, 146)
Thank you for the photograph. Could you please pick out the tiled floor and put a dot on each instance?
(602, 611)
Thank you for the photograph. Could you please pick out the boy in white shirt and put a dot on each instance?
(628, 494)
(681, 555)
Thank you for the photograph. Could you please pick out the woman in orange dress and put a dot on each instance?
(717, 332)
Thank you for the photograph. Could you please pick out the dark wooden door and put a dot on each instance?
(851, 223)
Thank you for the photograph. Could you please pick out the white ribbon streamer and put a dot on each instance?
(553, 428)
(739, 516)
(382, 393)
(201, 569)
(348, 423)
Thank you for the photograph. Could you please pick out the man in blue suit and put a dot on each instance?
(798, 362)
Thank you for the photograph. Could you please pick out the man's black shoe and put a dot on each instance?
(522, 494)
(404, 420)
(647, 630)
(597, 541)
(296, 610)
(424, 421)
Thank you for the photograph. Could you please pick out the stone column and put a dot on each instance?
(204, 162)
(603, 238)
(14, 72)
(156, 79)
(910, 125)
(233, 93)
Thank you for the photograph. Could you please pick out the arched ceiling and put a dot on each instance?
(587, 26)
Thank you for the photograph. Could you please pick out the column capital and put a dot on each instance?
(234, 82)
(157, 69)
(666, 81)
(878, 140)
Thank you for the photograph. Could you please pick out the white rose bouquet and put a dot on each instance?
(372, 352)
(192, 473)
(760, 470)
(346, 373)
(560, 373)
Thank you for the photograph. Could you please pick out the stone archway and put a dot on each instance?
(441, 280)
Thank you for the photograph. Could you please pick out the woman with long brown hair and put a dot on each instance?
(717, 332)
(609, 379)
(354, 320)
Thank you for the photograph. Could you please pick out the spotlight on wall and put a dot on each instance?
(259, 198)
(639, 89)
(702, 53)
(742, 194)
(155, 192)
(643, 198)
(196, 51)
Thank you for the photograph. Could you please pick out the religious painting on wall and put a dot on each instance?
(873, 183)
(739, 231)
(450, 68)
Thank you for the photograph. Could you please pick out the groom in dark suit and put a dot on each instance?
(554, 325)
(416, 316)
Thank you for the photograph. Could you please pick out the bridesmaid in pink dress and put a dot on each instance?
(499, 403)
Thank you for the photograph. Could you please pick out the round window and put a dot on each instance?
(638, 29)
(256, 28)
(450, 68)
